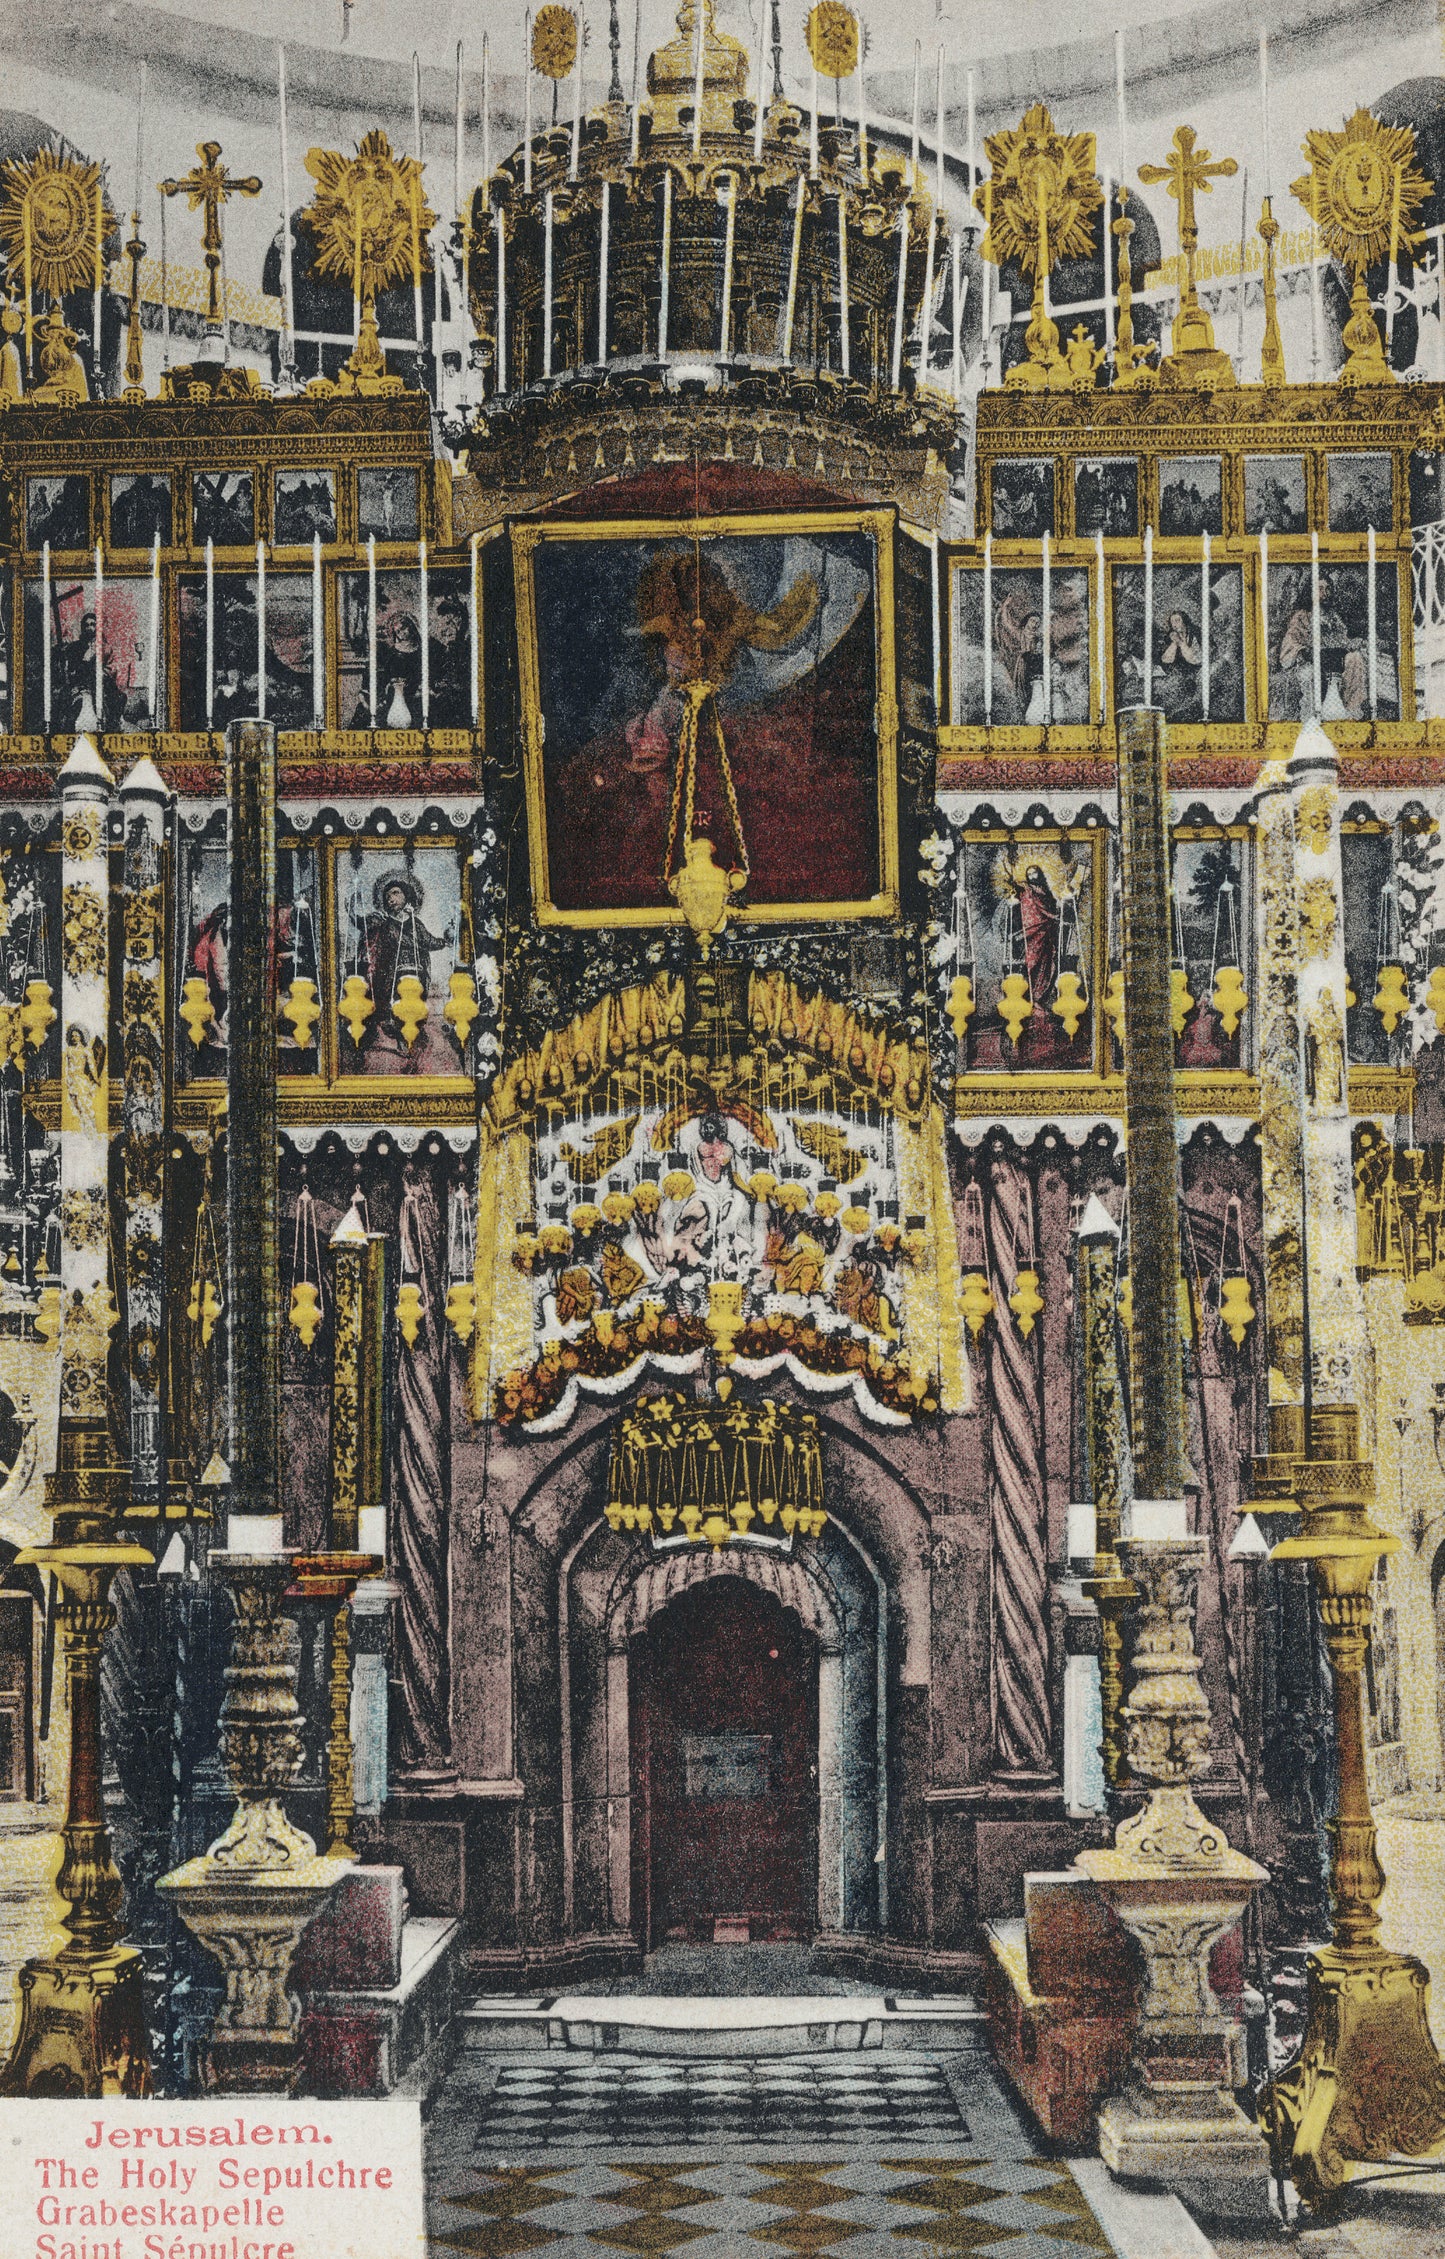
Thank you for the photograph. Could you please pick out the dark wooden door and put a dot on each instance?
(724, 1731)
(17, 1757)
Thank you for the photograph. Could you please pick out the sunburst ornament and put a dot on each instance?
(833, 39)
(554, 40)
(48, 220)
(1039, 202)
(1363, 192)
(369, 217)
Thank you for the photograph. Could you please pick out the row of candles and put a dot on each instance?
(1205, 622)
(318, 639)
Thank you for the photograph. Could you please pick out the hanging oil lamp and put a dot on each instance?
(308, 1300)
(461, 1307)
(1228, 993)
(1392, 991)
(1236, 1311)
(1071, 993)
(975, 1299)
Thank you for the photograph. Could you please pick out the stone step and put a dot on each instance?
(740, 2025)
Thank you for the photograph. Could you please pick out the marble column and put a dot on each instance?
(1018, 1503)
(143, 798)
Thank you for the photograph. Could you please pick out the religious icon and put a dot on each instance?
(399, 932)
(140, 509)
(1000, 674)
(120, 700)
(234, 656)
(1211, 932)
(57, 510)
(388, 504)
(1191, 495)
(414, 690)
(203, 948)
(305, 507)
(1029, 913)
(1187, 650)
(223, 509)
(1106, 496)
(1274, 494)
(1351, 661)
(1375, 934)
(721, 690)
(1361, 493)
(1021, 492)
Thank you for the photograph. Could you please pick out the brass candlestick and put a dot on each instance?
(135, 251)
(1271, 352)
(334, 1577)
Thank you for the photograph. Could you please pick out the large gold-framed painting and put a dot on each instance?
(732, 681)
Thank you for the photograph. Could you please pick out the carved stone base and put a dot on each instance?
(1200, 2146)
(82, 2029)
(252, 1922)
(1369, 2082)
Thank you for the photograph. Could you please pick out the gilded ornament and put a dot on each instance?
(80, 835)
(195, 1009)
(210, 186)
(554, 40)
(975, 1302)
(461, 1006)
(1236, 1311)
(1189, 171)
(1014, 1004)
(960, 1005)
(1364, 194)
(1125, 1300)
(305, 1312)
(142, 1003)
(701, 890)
(369, 219)
(204, 1307)
(462, 1309)
(409, 1008)
(1026, 1302)
(301, 1011)
(12, 1037)
(82, 1217)
(37, 1013)
(1114, 1004)
(1181, 1003)
(409, 1311)
(48, 221)
(355, 1005)
(1229, 997)
(1039, 204)
(1312, 818)
(82, 926)
(1070, 1004)
(1392, 998)
(1435, 996)
(47, 1315)
(1317, 918)
(833, 39)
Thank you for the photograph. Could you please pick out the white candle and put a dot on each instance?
(1264, 615)
(791, 303)
(288, 264)
(1101, 643)
(153, 646)
(666, 257)
(1372, 628)
(925, 312)
(165, 294)
(697, 82)
(636, 65)
(501, 304)
(1108, 267)
(725, 338)
(1204, 629)
(1048, 630)
(987, 339)
(602, 273)
(1314, 306)
(371, 626)
(140, 129)
(1148, 615)
(988, 630)
(576, 103)
(527, 114)
(318, 640)
(972, 148)
(938, 123)
(459, 130)
(1121, 106)
(917, 96)
(547, 290)
(862, 112)
(425, 627)
(1315, 652)
(758, 110)
(416, 196)
(898, 302)
(261, 630)
(487, 118)
(813, 130)
(1264, 109)
(99, 641)
(48, 644)
(210, 631)
(959, 288)
(845, 343)
(476, 627)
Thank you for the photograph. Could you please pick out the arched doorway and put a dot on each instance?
(723, 1693)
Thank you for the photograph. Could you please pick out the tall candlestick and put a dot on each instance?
(898, 303)
(576, 104)
(1048, 630)
(936, 624)
(1316, 650)
(99, 283)
(666, 258)
(790, 304)
(288, 268)
(28, 240)
(487, 118)
(527, 113)
(416, 198)
(697, 80)
(459, 133)
(913, 181)
(153, 640)
(988, 630)
(862, 117)
(140, 128)
(636, 66)
(476, 628)
(845, 342)
(1264, 619)
(925, 311)
(1121, 106)
(602, 273)
(972, 150)
(938, 128)
(1148, 615)
(210, 631)
(47, 647)
(726, 326)
(501, 303)
(1314, 305)
(1101, 640)
(987, 278)
(318, 640)
(760, 107)
(261, 630)
(813, 130)
(371, 627)
(959, 289)
(1264, 111)
(547, 289)
(425, 627)
(1205, 625)
(99, 640)
(1372, 638)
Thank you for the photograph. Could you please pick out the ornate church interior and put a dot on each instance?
(722, 1071)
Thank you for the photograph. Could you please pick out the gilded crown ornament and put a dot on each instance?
(54, 220)
(1039, 204)
(1364, 193)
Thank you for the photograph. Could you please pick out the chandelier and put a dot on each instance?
(704, 1473)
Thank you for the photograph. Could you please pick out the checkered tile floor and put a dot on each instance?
(863, 2154)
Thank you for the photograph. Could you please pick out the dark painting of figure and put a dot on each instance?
(1274, 494)
(1024, 922)
(57, 510)
(305, 507)
(140, 510)
(235, 652)
(999, 664)
(119, 698)
(1191, 497)
(1361, 493)
(1358, 657)
(1106, 497)
(388, 504)
(413, 689)
(223, 509)
(1174, 677)
(398, 928)
(1022, 498)
(747, 663)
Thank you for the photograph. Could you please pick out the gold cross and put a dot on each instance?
(1190, 172)
(211, 186)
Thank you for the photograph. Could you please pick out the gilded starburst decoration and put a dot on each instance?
(833, 39)
(369, 216)
(1042, 193)
(554, 40)
(1363, 189)
(50, 206)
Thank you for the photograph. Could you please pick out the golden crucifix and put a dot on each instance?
(210, 186)
(1190, 171)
